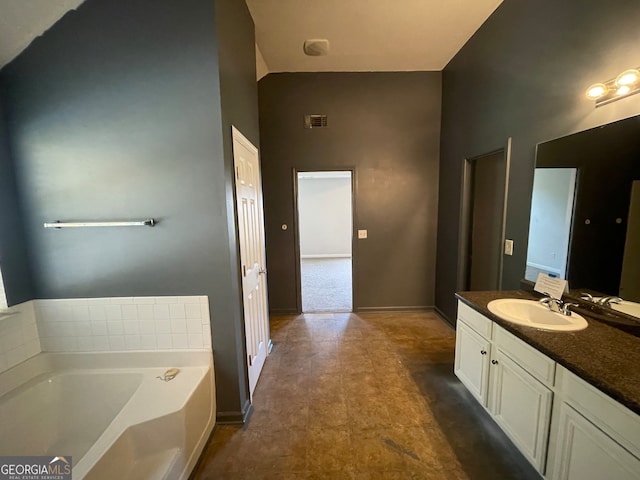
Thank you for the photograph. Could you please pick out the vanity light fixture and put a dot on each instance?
(596, 91)
(625, 84)
(623, 90)
(628, 77)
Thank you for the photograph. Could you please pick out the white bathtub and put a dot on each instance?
(110, 412)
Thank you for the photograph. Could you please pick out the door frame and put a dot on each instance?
(464, 227)
(296, 233)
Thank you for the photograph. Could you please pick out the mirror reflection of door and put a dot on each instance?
(608, 161)
(488, 176)
(325, 232)
(630, 279)
(550, 224)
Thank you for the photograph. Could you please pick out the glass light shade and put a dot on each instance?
(628, 77)
(623, 90)
(597, 90)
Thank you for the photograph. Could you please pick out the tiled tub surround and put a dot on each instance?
(67, 356)
(18, 335)
(124, 324)
(103, 324)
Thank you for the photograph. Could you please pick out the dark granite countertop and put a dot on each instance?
(607, 358)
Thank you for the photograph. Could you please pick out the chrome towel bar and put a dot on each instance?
(149, 222)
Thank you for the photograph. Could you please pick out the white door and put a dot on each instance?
(252, 254)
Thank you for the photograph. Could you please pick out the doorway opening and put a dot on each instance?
(483, 220)
(324, 201)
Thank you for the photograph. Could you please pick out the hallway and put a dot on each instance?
(369, 396)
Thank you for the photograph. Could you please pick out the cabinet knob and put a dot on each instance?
(494, 362)
(483, 352)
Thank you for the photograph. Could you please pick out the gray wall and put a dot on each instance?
(387, 126)
(14, 261)
(523, 75)
(115, 113)
(239, 102)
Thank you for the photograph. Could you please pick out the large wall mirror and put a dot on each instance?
(585, 214)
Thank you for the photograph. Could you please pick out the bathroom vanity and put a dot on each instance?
(570, 401)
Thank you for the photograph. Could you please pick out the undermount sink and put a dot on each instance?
(531, 313)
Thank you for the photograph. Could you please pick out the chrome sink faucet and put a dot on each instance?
(552, 304)
(565, 308)
(587, 296)
(607, 301)
(558, 306)
(604, 301)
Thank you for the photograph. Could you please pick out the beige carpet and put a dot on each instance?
(326, 285)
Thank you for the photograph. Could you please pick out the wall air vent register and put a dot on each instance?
(315, 121)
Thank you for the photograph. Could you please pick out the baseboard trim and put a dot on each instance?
(229, 418)
(546, 268)
(235, 418)
(444, 318)
(418, 308)
(283, 311)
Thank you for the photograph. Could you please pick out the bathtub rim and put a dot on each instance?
(49, 363)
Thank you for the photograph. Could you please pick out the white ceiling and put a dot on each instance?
(23, 20)
(365, 35)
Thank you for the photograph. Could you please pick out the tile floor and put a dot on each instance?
(369, 396)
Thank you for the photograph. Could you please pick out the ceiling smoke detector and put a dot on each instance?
(316, 47)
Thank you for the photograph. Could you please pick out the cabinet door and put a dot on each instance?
(472, 361)
(521, 405)
(584, 452)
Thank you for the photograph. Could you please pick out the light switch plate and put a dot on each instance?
(508, 247)
(362, 234)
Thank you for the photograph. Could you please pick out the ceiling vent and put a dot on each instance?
(315, 121)
(316, 47)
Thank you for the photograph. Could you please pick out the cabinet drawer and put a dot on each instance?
(475, 320)
(537, 364)
(611, 417)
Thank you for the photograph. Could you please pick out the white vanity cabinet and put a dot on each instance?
(593, 437)
(472, 361)
(519, 402)
(544, 408)
(507, 377)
